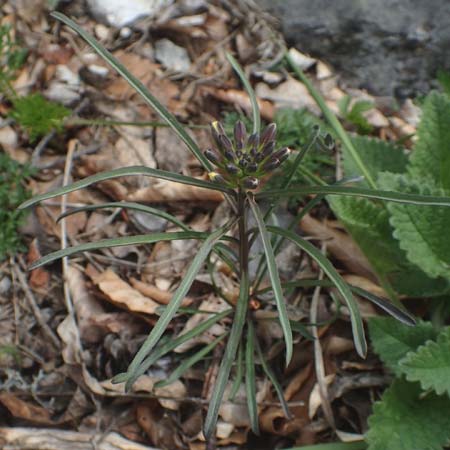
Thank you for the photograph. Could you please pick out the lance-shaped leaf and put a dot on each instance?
(391, 196)
(274, 279)
(125, 171)
(250, 378)
(175, 302)
(172, 344)
(139, 88)
(228, 357)
(251, 93)
(128, 205)
(341, 285)
(140, 239)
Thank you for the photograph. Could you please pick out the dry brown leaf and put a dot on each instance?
(39, 278)
(241, 100)
(365, 284)
(339, 244)
(24, 410)
(162, 297)
(315, 399)
(122, 294)
(167, 191)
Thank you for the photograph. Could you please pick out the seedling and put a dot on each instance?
(238, 168)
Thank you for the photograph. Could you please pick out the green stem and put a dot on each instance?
(110, 123)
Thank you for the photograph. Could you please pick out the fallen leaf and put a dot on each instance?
(24, 410)
(162, 297)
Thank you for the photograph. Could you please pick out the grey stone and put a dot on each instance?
(390, 47)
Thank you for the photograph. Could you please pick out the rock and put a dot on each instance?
(389, 47)
(120, 13)
(172, 56)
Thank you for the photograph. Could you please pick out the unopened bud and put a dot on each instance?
(216, 131)
(329, 141)
(212, 156)
(225, 143)
(216, 177)
(268, 149)
(251, 183)
(252, 167)
(270, 165)
(253, 140)
(229, 154)
(243, 163)
(268, 134)
(282, 154)
(232, 169)
(240, 134)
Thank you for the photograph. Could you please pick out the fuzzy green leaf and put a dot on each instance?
(422, 232)
(404, 419)
(377, 156)
(392, 340)
(430, 364)
(430, 159)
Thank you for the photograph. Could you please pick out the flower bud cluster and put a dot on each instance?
(241, 162)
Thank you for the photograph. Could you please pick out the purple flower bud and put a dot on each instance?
(240, 134)
(253, 140)
(229, 154)
(329, 141)
(253, 152)
(268, 149)
(252, 167)
(268, 134)
(212, 156)
(225, 143)
(216, 131)
(282, 154)
(270, 165)
(251, 183)
(216, 177)
(243, 163)
(232, 169)
(239, 153)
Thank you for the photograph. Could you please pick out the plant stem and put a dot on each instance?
(243, 235)
(109, 123)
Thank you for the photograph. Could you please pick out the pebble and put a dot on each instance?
(172, 56)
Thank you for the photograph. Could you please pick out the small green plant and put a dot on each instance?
(38, 116)
(237, 168)
(354, 114)
(12, 194)
(414, 412)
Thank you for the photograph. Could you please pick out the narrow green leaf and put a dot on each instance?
(341, 285)
(126, 171)
(333, 121)
(138, 87)
(175, 302)
(172, 344)
(229, 357)
(239, 373)
(250, 378)
(128, 205)
(251, 93)
(189, 362)
(274, 279)
(140, 239)
(390, 196)
(273, 379)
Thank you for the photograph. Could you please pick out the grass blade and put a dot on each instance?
(273, 379)
(251, 93)
(391, 196)
(189, 362)
(341, 285)
(175, 302)
(250, 378)
(359, 445)
(128, 205)
(228, 357)
(138, 87)
(140, 239)
(126, 171)
(333, 121)
(172, 344)
(239, 374)
(274, 279)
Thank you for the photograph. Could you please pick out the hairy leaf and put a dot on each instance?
(404, 419)
(392, 340)
(421, 232)
(430, 160)
(430, 364)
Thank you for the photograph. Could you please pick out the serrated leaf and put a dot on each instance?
(392, 340)
(430, 364)
(430, 159)
(377, 156)
(404, 419)
(422, 232)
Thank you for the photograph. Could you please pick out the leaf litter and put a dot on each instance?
(117, 295)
